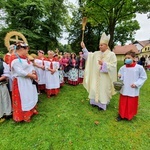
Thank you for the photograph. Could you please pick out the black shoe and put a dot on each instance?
(93, 105)
(119, 118)
(101, 109)
(8, 116)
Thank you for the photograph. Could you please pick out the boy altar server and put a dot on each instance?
(133, 77)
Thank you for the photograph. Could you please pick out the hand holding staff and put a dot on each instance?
(84, 21)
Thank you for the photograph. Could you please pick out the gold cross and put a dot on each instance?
(16, 39)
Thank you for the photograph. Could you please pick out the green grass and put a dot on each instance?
(67, 122)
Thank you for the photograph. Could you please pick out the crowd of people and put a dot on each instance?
(24, 76)
(29, 75)
(144, 61)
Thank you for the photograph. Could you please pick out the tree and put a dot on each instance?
(125, 31)
(113, 14)
(40, 21)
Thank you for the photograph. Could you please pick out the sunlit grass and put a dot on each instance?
(67, 122)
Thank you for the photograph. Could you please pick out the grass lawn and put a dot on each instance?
(67, 122)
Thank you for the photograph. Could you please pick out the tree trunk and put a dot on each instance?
(111, 32)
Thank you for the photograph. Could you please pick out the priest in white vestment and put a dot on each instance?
(100, 73)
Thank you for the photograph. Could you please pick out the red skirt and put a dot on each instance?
(73, 82)
(18, 114)
(52, 92)
(41, 87)
(66, 79)
(61, 84)
(128, 106)
(80, 80)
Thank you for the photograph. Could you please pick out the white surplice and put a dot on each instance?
(40, 72)
(5, 101)
(132, 75)
(52, 80)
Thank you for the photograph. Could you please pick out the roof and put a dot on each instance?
(124, 49)
(142, 43)
(148, 45)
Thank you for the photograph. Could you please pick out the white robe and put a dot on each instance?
(52, 80)
(5, 101)
(27, 90)
(132, 75)
(40, 72)
(98, 83)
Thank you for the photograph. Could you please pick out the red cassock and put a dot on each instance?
(128, 106)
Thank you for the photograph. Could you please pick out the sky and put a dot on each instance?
(141, 35)
(144, 32)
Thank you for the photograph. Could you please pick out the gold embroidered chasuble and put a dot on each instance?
(100, 84)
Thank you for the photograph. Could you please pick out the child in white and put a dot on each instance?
(133, 77)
